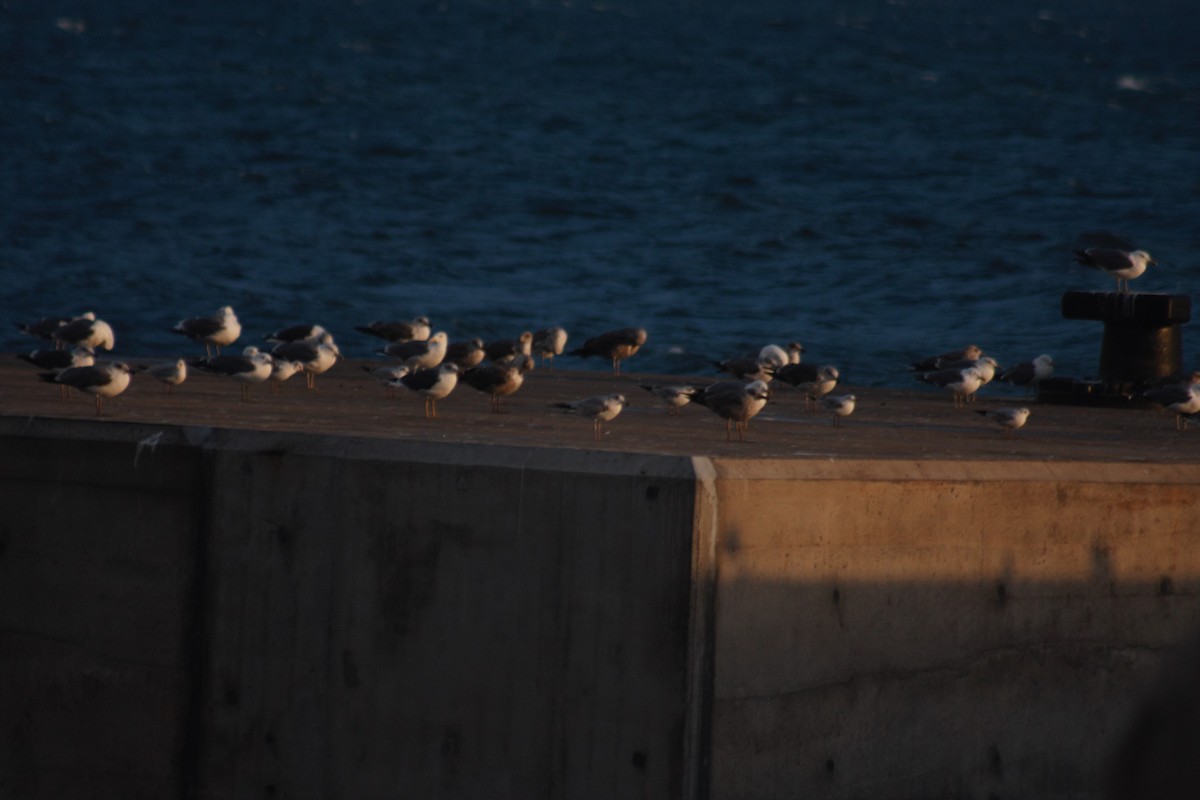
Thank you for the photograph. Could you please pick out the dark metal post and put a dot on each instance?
(1142, 345)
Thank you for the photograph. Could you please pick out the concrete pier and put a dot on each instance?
(326, 595)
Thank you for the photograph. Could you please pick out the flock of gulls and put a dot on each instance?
(422, 361)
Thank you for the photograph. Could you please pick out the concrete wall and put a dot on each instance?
(944, 629)
(251, 615)
(198, 613)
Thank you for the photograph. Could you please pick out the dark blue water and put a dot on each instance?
(879, 180)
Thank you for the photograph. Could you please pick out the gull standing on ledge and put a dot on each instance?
(417, 355)
(1008, 418)
(60, 359)
(969, 353)
(252, 366)
(675, 397)
(815, 381)
(44, 328)
(840, 406)
(316, 356)
(306, 332)
(218, 330)
(498, 380)
(435, 384)
(86, 331)
(1120, 264)
(101, 380)
(616, 345)
(962, 383)
(1029, 373)
(398, 330)
(1182, 398)
(736, 402)
(169, 373)
(549, 342)
(598, 408)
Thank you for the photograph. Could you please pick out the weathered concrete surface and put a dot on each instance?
(980, 629)
(376, 619)
(328, 595)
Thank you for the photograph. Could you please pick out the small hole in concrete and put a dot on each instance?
(837, 596)
(1001, 593)
(639, 760)
(1165, 586)
(651, 492)
(829, 765)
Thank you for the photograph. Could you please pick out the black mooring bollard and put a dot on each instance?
(1142, 345)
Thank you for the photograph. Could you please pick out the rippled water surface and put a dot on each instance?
(879, 180)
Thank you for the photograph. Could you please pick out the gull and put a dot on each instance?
(815, 381)
(598, 408)
(675, 397)
(416, 355)
(549, 342)
(216, 331)
(1182, 398)
(43, 328)
(398, 330)
(616, 345)
(736, 402)
(968, 353)
(505, 350)
(986, 365)
(1029, 373)
(778, 356)
(252, 366)
(86, 331)
(317, 356)
(841, 405)
(169, 373)
(1008, 418)
(60, 359)
(435, 384)
(100, 380)
(747, 368)
(282, 370)
(387, 375)
(298, 333)
(498, 380)
(1122, 265)
(466, 354)
(962, 383)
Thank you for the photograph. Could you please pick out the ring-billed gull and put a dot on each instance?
(840, 406)
(169, 373)
(1008, 418)
(675, 396)
(599, 409)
